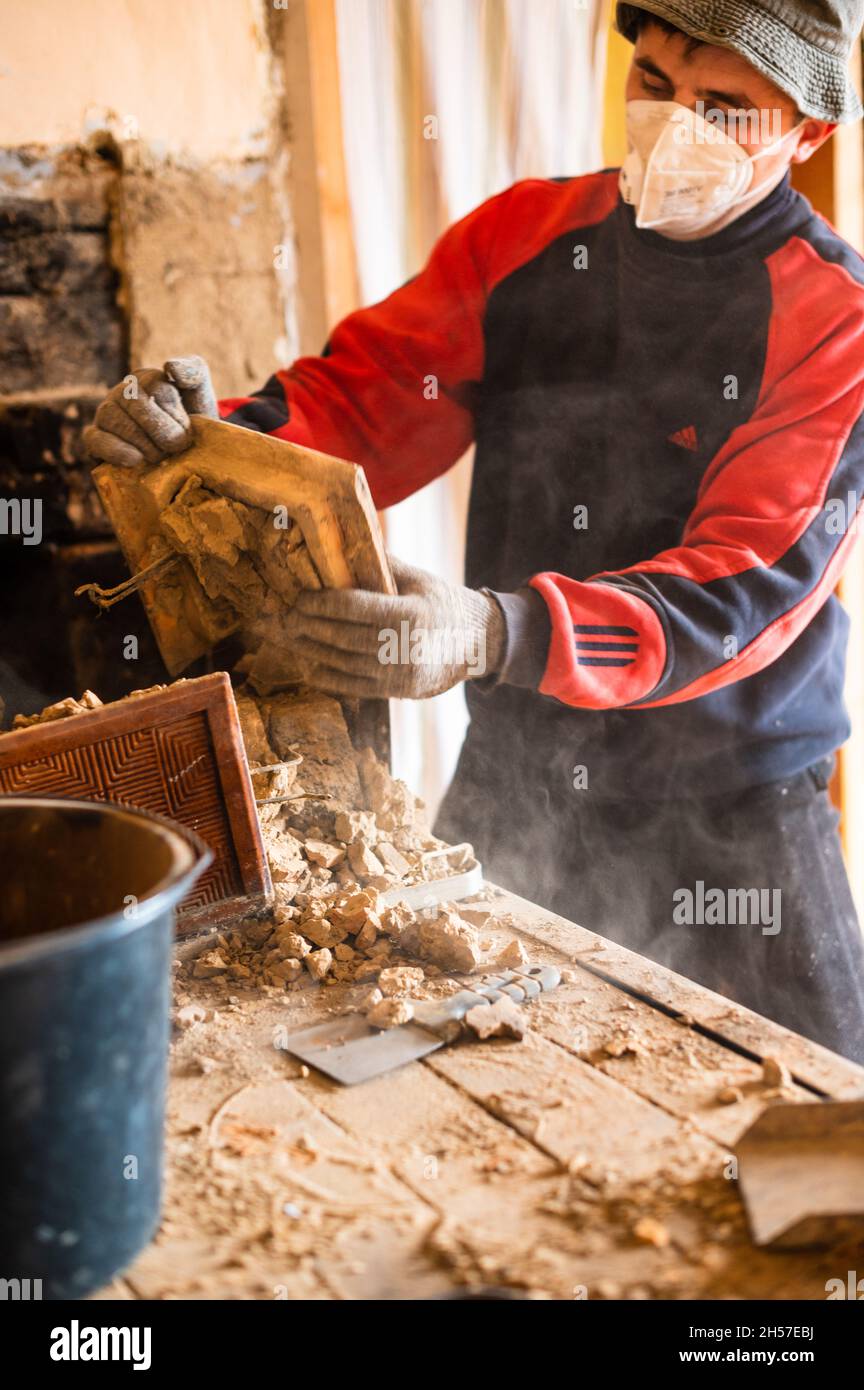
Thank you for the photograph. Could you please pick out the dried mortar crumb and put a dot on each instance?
(651, 1232)
(289, 969)
(729, 1095)
(63, 709)
(513, 957)
(400, 981)
(364, 861)
(318, 963)
(390, 1013)
(189, 1015)
(293, 944)
(449, 942)
(210, 963)
(775, 1073)
(503, 1019)
(328, 856)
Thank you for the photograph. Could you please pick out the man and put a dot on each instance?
(662, 369)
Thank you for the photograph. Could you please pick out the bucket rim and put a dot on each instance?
(189, 849)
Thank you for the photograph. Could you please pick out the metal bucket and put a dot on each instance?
(87, 897)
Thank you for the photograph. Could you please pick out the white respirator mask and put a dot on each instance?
(683, 173)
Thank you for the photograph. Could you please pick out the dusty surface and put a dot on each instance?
(592, 1158)
(564, 1166)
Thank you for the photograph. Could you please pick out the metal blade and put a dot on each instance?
(350, 1050)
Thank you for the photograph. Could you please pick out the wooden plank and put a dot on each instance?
(658, 1058)
(655, 1207)
(813, 1066)
(267, 1197)
(497, 1193)
(328, 498)
(341, 288)
(492, 1163)
(177, 751)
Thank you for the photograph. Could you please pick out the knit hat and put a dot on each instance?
(802, 46)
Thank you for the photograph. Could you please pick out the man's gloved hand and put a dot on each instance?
(411, 646)
(146, 416)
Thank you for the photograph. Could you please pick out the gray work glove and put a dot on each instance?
(411, 646)
(146, 416)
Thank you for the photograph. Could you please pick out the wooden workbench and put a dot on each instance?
(590, 1160)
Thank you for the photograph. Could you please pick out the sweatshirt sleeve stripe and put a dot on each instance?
(759, 554)
(578, 677)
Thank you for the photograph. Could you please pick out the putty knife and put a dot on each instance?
(350, 1050)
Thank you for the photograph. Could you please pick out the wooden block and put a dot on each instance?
(327, 498)
(176, 751)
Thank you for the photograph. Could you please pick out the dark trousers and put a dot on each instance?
(630, 870)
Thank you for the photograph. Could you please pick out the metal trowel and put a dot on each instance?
(350, 1050)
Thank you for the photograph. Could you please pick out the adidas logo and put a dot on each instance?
(608, 646)
(686, 438)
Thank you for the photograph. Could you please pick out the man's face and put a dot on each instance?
(707, 78)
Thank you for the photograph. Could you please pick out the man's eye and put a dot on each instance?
(656, 88)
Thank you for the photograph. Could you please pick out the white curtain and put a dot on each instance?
(445, 103)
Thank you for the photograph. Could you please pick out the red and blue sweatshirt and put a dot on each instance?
(669, 462)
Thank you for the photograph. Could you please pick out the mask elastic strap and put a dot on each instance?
(777, 143)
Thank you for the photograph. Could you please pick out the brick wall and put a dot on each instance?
(62, 344)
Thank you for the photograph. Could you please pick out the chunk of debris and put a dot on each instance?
(322, 933)
(363, 860)
(318, 963)
(651, 1232)
(320, 852)
(61, 710)
(355, 825)
(390, 1013)
(393, 861)
(503, 1019)
(367, 970)
(208, 964)
(189, 1015)
(775, 1072)
(293, 944)
(476, 916)
(400, 981)
(449, 942)
(513, 957)
(730, 1095)
(206, 1065)
(369, 1000)
(283, 913)
(285, 857)
(396, 919)
(623, 1047)
(288, 970)
(367, 935)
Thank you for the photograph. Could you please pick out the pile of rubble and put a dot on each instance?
(356, 869)
(345, 841)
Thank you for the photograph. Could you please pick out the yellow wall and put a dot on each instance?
(185, 78)
(618, 55)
